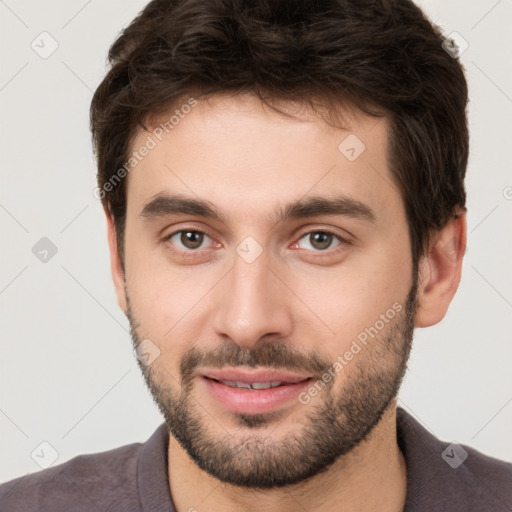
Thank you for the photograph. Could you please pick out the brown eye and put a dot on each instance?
(189, 239)
(320, 240)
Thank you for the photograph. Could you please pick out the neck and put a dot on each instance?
(372, 476)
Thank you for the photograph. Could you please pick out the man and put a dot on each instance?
(283, 183)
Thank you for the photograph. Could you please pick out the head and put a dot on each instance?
(314, 160)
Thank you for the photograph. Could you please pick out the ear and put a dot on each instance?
(115, 262)
(440, 271)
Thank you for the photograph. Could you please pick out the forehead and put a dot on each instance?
(251, 161)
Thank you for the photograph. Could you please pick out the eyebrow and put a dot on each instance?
(163, 205)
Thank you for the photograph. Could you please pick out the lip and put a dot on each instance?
(254, 375)
(254, 401)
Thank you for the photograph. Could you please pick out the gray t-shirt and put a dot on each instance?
(441, 477)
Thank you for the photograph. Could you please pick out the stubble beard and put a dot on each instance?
(328, 430)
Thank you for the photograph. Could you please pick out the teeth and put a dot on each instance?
(253, 385)
(235, 384)
(264, 385)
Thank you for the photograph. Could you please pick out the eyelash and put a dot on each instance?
(193, 253)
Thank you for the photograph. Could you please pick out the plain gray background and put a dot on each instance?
(68, 376)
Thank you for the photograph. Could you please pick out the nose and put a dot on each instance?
(252, 303)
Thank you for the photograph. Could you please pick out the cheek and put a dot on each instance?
(162, 304)
(162, 310)
(344, 301)
(168, 301)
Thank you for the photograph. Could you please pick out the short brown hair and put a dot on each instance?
(382, 56)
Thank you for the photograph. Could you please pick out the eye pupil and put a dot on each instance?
(323, 238)
(191, 239)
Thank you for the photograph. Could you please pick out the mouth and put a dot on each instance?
(253, 392)
(251, 385)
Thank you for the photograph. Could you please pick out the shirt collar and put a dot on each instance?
(152, 473)
(422, 452)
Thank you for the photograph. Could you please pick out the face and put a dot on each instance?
(292, 269)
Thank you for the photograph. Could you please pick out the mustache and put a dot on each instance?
(276, 354)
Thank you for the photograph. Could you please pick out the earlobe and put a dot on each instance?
(440, 272)
(115, 262)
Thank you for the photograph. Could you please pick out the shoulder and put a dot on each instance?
(85, 482)
(490, 474)
(471, 480)
(450, 476)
